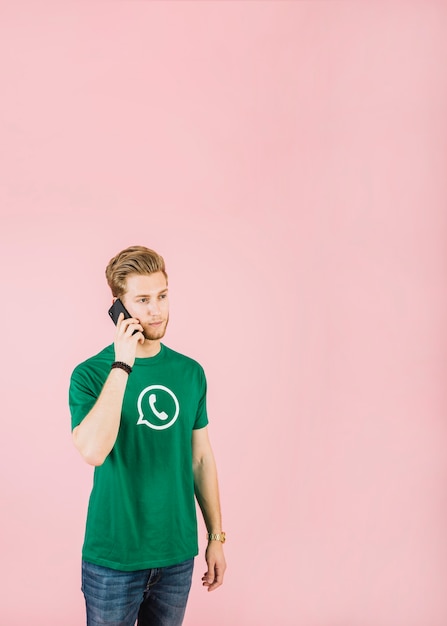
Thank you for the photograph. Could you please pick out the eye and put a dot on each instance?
(143, 300)
(163, 296)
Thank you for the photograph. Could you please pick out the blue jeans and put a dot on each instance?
(157, 597)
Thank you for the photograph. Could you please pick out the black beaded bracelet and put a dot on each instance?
(122, 366)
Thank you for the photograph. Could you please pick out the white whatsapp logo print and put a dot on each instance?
(151, 404)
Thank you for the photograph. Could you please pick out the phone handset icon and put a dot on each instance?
(162, 415)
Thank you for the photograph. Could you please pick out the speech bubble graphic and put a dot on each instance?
(156, 409)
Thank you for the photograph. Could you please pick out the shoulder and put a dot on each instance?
(187, 370)
(191, 377)
(182, 360)
(96, 363)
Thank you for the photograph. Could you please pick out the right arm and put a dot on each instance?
(95, 436)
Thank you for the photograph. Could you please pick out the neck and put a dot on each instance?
(149, 348)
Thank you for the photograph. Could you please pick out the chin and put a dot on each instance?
(155, 334)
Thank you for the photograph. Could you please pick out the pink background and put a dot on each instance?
(288, 160)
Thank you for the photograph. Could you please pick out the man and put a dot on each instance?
(139, 416)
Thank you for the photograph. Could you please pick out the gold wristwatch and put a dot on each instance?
(216, 537)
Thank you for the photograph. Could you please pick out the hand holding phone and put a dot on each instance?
(115, 310)
(124, 348)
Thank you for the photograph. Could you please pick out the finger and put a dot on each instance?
(131, 325)
(129, 320)
(208, 577)
(125, 321)
(133, 329)
(212, 578)
(119, 325)
(218, 580)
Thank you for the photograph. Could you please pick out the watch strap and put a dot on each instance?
(216, 537)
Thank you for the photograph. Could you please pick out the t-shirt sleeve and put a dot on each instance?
(81, 396)
(201, 416)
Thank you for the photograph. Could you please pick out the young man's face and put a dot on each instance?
(146, 298)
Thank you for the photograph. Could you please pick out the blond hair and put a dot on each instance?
(133, 260)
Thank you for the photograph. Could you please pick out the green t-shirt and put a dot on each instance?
(142, 511)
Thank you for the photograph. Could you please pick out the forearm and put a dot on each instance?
(207, 492)
(95, 436)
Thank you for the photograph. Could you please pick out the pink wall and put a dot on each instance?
(288, 159)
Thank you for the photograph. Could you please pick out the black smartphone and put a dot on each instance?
(117, 308)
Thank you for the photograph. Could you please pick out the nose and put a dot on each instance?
(154, 307)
